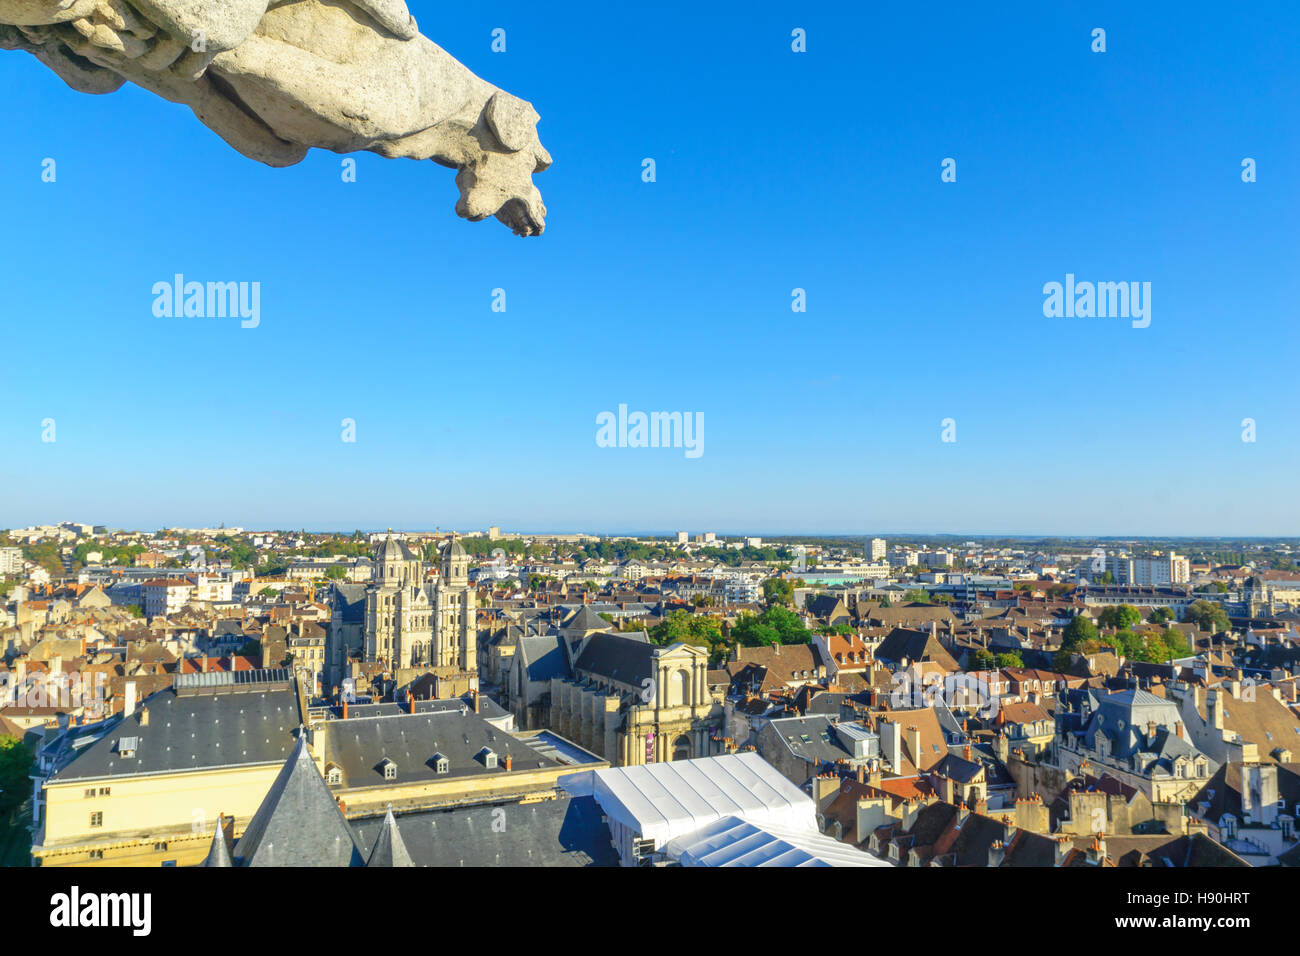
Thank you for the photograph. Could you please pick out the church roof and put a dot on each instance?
(389, 850)
(455, 549)
(299, 822)
(585, 619)
(222, 843)
(394, 549)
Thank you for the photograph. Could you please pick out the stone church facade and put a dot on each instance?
(411, 622)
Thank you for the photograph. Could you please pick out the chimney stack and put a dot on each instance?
(128, 702)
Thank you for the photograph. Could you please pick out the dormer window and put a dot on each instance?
(127, 746)
(389, 768)
(439, 763)
(489, 758)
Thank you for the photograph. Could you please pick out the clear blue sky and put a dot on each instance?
(776, 170)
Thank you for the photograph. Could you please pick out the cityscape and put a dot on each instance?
(225, 697)
(512, 438)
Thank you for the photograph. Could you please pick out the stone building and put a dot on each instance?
(633, 702)
(412, 623)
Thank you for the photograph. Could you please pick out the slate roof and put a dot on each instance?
(389, 850)
(585, 619)
(822, 745)
(618, 658)
(359, 745)
(543, 657)
(224, 728)
(567, 831)
(350, 599)
(299, 823)
(222, 850)
(394, 550)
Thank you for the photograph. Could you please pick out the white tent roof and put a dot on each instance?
(733, 842)
(662, 801)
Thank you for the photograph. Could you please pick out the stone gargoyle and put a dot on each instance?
(274, 78)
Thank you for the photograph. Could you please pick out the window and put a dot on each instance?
(390, 771)
(97, 818)
(161, 847)
(96, 854)
(105, 791)
(334, 776)
(90, 792)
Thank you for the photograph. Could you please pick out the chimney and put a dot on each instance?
(411, 705)
(914, 744)
(1062, 851)
(1214, 708)
(862, 773)
(475, 693)
(997, 853)
(1151, 729)
(345, 708)
(891, 744)
(1008, 830)
(1097, 850)
(203, 663)
(509, 761)
(1178, 729)
(128, 702)
(144, 716)
(966, 754)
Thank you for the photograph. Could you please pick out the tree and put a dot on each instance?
(15, 765)
(703, 600)
(1160, 615)
(1079, 630)
(982, 660)
(1009, 659)
(1207, 616)
(775, 625)
(1062, 661)
(335, 573)
(1120, 616)
(778, 591)
(916, 596)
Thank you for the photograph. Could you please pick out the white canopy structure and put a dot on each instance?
(692, 805)
(733, 842)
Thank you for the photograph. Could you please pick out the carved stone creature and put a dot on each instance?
(274, 78)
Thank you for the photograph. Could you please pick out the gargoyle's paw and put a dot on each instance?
(501, 185)
(523, 217)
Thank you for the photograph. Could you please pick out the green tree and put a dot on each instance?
(15, 765)
(1079, 630)
(335, 573)
(1119, 616)
(1208, 616)
(1009, 659)
(778, 591)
